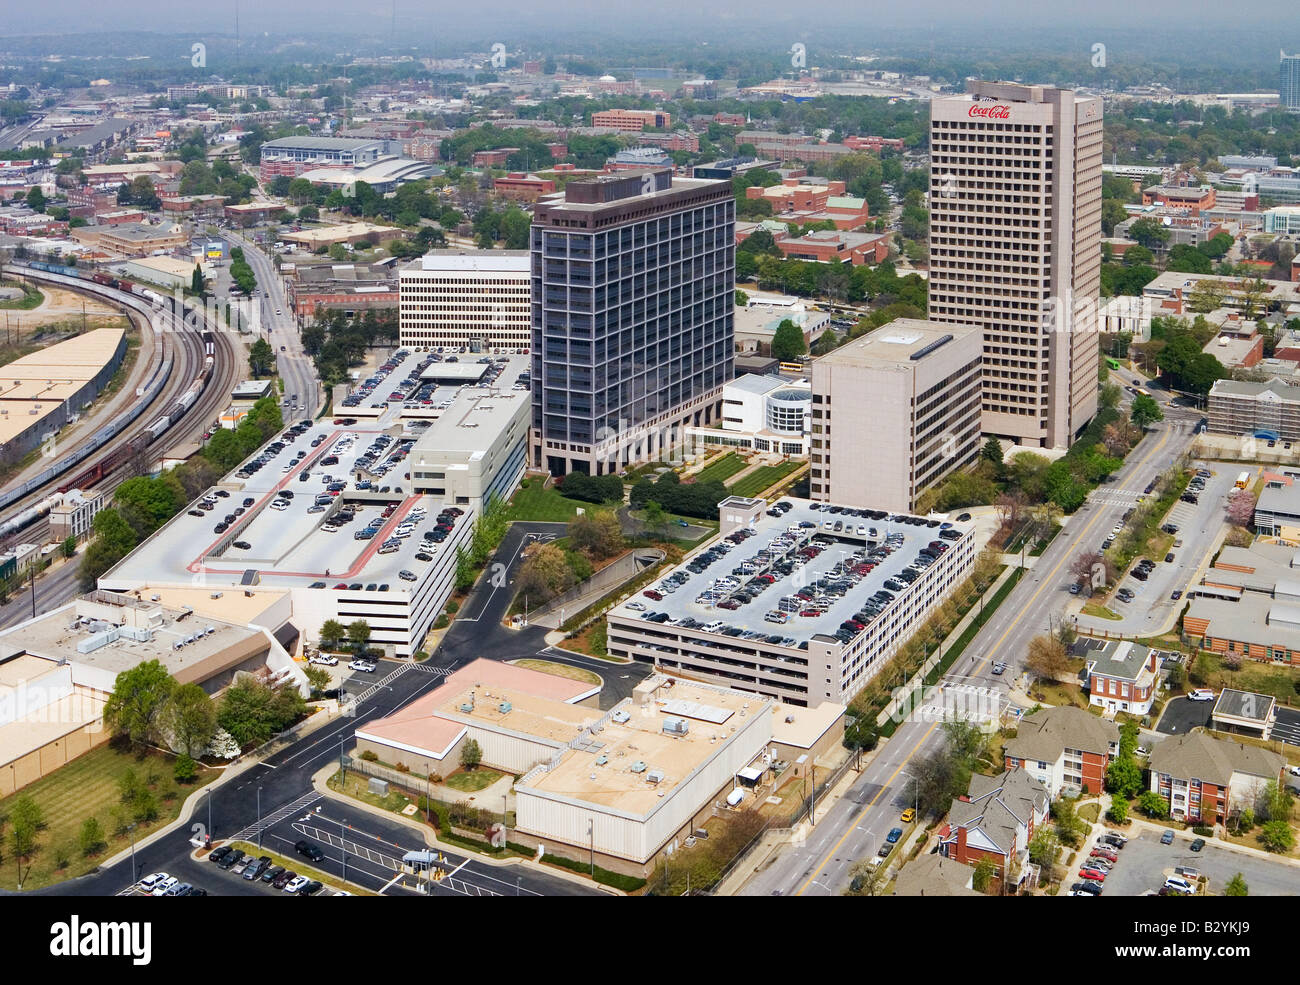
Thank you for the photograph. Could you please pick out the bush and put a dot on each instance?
(452, 607)
(369, 756)
(628, 884)
(402, 768)
(441, 622)
(1203, 831)
(185, 770)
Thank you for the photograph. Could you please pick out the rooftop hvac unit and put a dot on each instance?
(655, 776)
(505, 707)
(467, 706)
(620, 716)
(638, 767)
(676, 726)
(602, 759)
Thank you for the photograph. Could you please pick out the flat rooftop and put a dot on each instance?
(81, 632)
(899, 344)
(77, 359)
(473, 261)
(857, 536)
(616, 767)
(289, 548)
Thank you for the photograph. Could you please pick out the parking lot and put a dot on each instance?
(1181, 715)
(1152, 606)
(1144, 863)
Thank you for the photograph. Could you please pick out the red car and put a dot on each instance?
(650, 593)
(1096, 875)
(1102, 853)
(810, 613)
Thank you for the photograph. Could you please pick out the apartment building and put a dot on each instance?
(1237, 408)
(1065, 748)
(1288, 82)
(478, 299)
(1015, 233)
(894, 412)
(1205, 779)
(995, 820)
(633, 295)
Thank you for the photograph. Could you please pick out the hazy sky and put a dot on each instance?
(515, 19)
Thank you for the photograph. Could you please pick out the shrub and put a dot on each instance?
(441, 621)
(185, 770)
(402, 768)
(1203, 831)
(370, 756)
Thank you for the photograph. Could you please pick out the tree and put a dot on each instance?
(1277, 836)
(982, 878)
(787, 342)
(252, 711)
(1206, 296)
(1149, 233)
(1145, 411)
(545, 574)
(993, 454)
(91, 836)
(189, 719)
(137, 702)
(1047, 659)
(359, 635)
(25, 820)
(1153, 805)
(1240, 507)
(331, 631)
(261, 360)
(185, 770)
(70, 546)
(1236, 886)
(36, 199)
(470, 754)
(198, 285)
(1118, 812)
(598, 533)
(1177, 678)
(1124, 778)
(867, 879)
(654, 517)
(1109, 397)
(1044, 847)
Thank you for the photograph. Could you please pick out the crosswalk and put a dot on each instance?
(274, 818)
(961, 702)
(426, 668)
(382, 683)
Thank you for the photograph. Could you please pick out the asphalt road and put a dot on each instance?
(1181, 715)
(853, 826)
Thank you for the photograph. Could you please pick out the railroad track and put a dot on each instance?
(178, 351)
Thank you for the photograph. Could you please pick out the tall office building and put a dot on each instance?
(474, 298)
(632, 300)
(1015, 248)
(1288, 83)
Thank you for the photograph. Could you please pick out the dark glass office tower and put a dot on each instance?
(633, 281)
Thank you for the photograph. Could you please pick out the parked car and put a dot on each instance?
(324, 659)
(295, 884)
(1201, 694)
(308, 850)
(161, 889)
(1198, 844)
(362, 665)
(148, 883)
(894, 835)
(311, 888)
(1168, 837)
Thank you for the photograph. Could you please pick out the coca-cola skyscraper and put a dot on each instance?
(1015, 247)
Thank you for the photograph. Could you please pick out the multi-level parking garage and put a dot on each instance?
(803, 602)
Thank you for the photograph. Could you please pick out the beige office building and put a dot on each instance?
(893, 413)
(1015, 248)
(478, 299)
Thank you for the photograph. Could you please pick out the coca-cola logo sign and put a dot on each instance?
(994, 112)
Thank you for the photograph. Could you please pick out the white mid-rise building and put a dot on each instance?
(893, 413)
(1015, 234)
(473, 298)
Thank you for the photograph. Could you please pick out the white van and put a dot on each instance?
(1178, 884)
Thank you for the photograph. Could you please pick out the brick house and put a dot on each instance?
(1122, 676)
(1195, 772)
(1065, 748)
(996, 819)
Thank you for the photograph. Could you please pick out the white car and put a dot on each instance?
(1201, 694)
(1293, 770)
(161, 888)
(154, 878)
(324, 659)
(295, 884)
(362, 665)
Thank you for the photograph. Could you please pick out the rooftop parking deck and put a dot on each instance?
(799, 551)
(296, 541)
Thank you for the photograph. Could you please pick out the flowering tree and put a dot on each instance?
(1241, 508)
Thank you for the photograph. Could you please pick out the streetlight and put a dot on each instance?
(259, 819)
(131, 831)
(209, 815)
(344, 846)
(591, 831)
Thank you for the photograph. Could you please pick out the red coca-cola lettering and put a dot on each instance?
(997, 112)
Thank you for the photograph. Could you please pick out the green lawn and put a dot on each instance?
(761, 478)
(533, 502)
(83, 788)
(1099, 611)
(722, 469)
(31, 298)
(471, 781)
